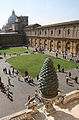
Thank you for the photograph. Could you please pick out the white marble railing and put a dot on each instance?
(33, 107)
(67, 97)
(71, 96)
(23, 115)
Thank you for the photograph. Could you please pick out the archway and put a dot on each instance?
(68, 47)
(35, 42)
(77, 49)
(51, 45)
(59, 46)
(40, 43)
(45, 44)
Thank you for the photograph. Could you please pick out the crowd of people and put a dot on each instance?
(68, 75)
(5, 88)
(70, 78)
(27, 78)
(11, 72)
(67, 56)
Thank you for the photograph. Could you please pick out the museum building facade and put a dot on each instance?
(60, 37)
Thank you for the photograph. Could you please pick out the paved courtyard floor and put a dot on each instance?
(21, 90)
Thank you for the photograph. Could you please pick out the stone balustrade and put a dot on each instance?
(67, 97)
(33, 106)
(71, 96)
(25, 114)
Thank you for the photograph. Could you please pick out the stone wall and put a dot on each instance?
(64, 37)
(11, 39)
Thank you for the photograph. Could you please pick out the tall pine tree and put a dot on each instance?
(48, 82)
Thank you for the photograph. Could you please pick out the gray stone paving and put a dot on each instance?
(21, 90)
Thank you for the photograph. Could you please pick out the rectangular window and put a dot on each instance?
(68, 31)
(45, 32)
(40, 32)
(59, 31)
(51, 32)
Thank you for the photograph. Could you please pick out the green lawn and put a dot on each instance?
(33, 63)
(17, 50)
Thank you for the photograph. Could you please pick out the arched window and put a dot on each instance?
(40, 32)
(35, 32)
(45, 32)
(68, 31)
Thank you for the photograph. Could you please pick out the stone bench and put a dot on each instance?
(34, 106)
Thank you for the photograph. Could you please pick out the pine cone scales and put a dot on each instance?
(48, 82)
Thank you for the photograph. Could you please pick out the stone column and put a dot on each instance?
(50, 45)
(61, 46)
(64, 45)
(71, 47)
(74, 48)
(47, 44)
(42, 44)
(38, 41)
(55, 44)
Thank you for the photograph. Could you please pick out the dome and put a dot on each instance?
(12, 18)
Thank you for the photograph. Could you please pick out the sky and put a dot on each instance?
(40, 11)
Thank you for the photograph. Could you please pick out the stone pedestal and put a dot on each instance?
(28, 113)
(48, 108)
(34, 106)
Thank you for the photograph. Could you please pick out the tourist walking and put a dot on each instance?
(63, 70)
(36, 93)
(7, 91)
(58, 67)
(28, 97)
(13, 71)
(69, 74)
(9, 71)
(76, 79)
(9, 81)
(17, 72)
(67, 78)
(37, 77)
(19, 77)
(37, 96)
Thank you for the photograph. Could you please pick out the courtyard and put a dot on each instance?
(20, 89)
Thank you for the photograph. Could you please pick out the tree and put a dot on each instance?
(48, 82)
